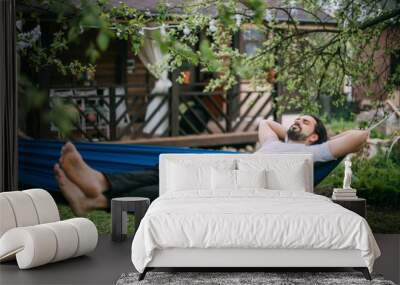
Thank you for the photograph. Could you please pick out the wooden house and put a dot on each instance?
(114, 102)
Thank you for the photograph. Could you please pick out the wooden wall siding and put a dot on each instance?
(110, 69)
(143, 83)
(77, 51)
(107, 66)
(139, 73)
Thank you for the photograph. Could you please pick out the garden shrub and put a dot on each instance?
(376, 179)
(336, 126)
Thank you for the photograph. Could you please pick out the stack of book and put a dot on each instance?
(344, 194)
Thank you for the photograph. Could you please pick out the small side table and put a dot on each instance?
(358, 205)
(119, 214)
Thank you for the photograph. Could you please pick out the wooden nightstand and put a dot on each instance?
(358, 205)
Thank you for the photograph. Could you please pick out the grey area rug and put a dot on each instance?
(232, 278)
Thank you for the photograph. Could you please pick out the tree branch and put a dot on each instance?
(380, 19)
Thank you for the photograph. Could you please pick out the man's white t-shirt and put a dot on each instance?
(320, 152)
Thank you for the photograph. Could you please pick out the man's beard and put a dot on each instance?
(296, 134)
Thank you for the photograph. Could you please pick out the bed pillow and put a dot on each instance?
(183, 177)
(223, 179)
(191, 175)
(251, 178)
(291, 174)
(231, 180)
(293, 180)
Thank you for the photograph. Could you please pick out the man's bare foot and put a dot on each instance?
(79, 203)
(90, 181)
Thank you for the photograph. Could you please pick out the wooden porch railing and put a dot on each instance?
(115, 113)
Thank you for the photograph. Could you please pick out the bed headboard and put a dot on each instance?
(270, 161)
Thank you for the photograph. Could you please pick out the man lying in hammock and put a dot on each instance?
(85, 188)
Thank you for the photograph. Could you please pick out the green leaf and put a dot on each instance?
(103, 40)
(73, 34)
(258, 8)
(92, 53)
(208, 56)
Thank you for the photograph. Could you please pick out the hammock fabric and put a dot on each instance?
(37, 158)
(322, 169)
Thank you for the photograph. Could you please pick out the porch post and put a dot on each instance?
(233, 95)
(174, 105)
(8, 98)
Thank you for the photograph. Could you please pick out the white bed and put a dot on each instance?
(202, 220)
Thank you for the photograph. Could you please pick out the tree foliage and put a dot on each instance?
(310, 59)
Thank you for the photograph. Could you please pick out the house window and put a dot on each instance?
(252, 39)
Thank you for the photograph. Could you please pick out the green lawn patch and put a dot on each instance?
(101, 218)
(383, 221)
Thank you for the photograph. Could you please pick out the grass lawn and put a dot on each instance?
(102, 219)
(384, 221)
(381, 221)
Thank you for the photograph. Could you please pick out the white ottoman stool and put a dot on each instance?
(31, 232)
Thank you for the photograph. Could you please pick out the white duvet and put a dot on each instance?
(250, 219)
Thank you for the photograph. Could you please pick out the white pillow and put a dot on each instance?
(226, 179)
(293, 180)
(223, 179)
(188, 177)
(185, 174)
(282, 174)
(251, 178)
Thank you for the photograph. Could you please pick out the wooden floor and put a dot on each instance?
(110, 260)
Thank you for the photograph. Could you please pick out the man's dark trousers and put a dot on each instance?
(133, 184)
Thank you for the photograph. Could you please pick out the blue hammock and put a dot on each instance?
(37, 158)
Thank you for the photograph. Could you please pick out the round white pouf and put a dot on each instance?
(67, 240)
(87, 234)
(32, 233)
(33, 246)
(23, 208)
(40, 244)
(46, 208)
(7, 218)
